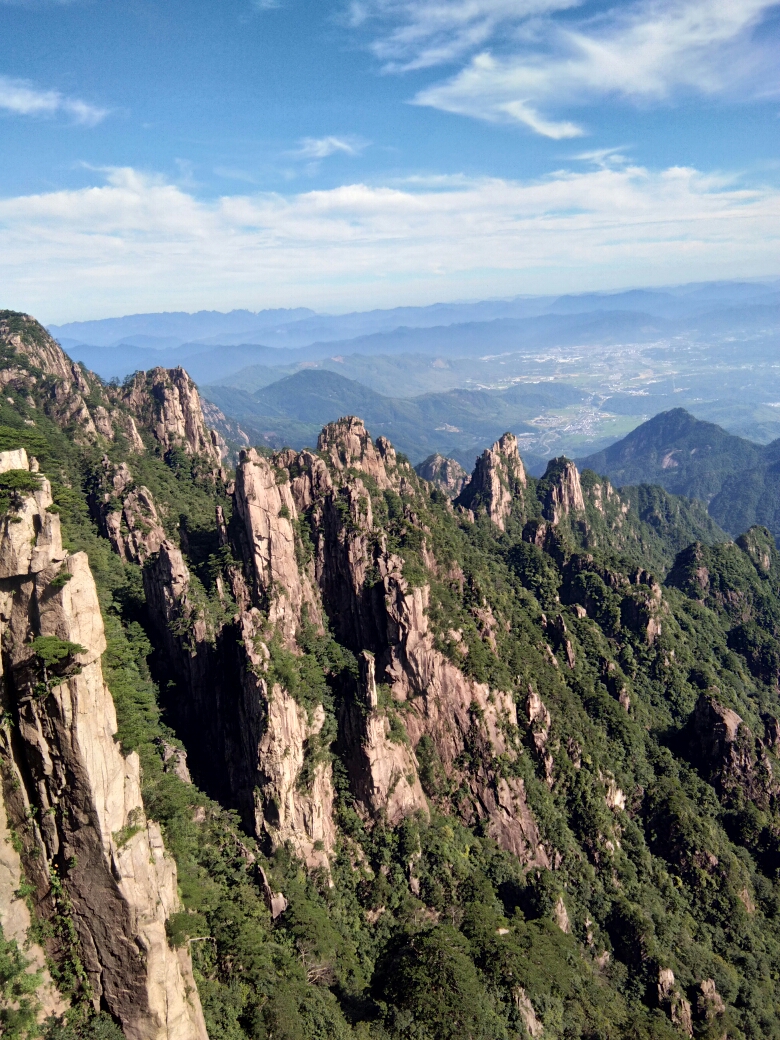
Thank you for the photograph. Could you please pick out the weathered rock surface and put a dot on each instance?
(382, 766)
(673, 1002)
(266, 751)
(498, 477)
(525, 1007)
(91, 825)
(723, 745)
(389, 619)
(259, 736)
(167, 403)
(446, 474)
(348, 446)
(267, 513)
(564, 491)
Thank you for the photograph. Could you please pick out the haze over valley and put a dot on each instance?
(568, 375)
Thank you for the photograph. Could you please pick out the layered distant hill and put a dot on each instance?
(458, 423)
(626, 356)
(738, 479)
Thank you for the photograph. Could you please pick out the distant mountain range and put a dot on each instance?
(114, 347)
(591, 367)
(457, 423)
(737, 479)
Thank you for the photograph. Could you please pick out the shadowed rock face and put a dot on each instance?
(63, 761)
(729, 754)
(351, 581)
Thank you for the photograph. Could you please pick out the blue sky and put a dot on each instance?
(179, 155)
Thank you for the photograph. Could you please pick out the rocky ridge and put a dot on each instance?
(446, 474)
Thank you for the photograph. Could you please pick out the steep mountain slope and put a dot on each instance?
(738, 479)
(496, 768)
(683, 454)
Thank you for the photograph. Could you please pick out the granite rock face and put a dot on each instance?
(90, 828)
(267, 513)
(166, 402)
(564, 491)
(312, 555)
(447, 474)
(498, 478)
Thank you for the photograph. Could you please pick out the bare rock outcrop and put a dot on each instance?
(382, 765)
(498, 478)
(526, 1010)
(540, 722)
(167, 403)
(671, 1000)
(267, 513)
(31, 341)
(563, 491)
(447, 474)
(38, 365)
(729, 754)
(347, 445)
(89, 826)
(126, 513)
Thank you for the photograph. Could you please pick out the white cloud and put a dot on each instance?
(23, 99)
(523, 63)
(645, 52)
(136, 243)
(322, 147)
(434, 32)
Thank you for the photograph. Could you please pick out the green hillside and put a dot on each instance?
(739, 480)
(457, 423)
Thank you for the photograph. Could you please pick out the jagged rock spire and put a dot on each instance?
(498, 477)
(564, 491)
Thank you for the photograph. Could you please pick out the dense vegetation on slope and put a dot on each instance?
(737, 479)
(658, 912)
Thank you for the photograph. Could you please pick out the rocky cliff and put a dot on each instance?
(353, 582)
(446, 474)
(87, 847)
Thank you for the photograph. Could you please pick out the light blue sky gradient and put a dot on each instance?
(163, 154)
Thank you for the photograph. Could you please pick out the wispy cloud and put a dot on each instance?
(417, 34)
(322, 147)
(646, 52)
(24, 99)
(139, 242)
(524, 64)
